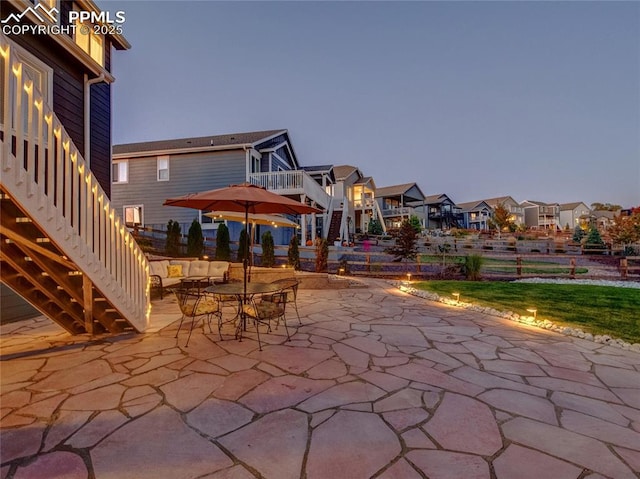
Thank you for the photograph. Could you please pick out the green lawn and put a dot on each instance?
(595, 309)
(508, 266)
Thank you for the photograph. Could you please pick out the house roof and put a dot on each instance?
(198, 143)
(570, 206)
(396, 190)
(472, 205)
(343, 171)
(539, 203)
(435, 198)
(498, 200)
(317, 168)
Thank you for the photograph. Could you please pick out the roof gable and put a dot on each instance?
(406, 189)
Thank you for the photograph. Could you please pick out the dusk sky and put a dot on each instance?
(537, 100)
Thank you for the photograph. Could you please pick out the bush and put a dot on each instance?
(223, 249)
(268, 254)
(293, 255)
(172, 245)
(322, 255)
(375, 227)
(593, 241)
(195, 240)
(578, 234)
(243, 246)
(472, 266)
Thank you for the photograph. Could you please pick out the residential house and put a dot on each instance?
(442, 213)
(574, 214)
(602, 219)
(355, 203)
(475, 215)
(517, 211)
(399, 202)
(146, 174)
(539, 215)
(64, 248)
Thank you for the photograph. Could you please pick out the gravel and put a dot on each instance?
(595, 282)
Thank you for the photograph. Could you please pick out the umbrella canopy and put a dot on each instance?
(270, 220)
(245, 198)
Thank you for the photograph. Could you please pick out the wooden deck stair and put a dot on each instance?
(334, 226)
(62, 246)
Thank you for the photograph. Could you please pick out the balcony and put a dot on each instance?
(294, 182)
(400, 211)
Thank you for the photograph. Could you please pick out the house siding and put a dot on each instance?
(68, 95)
(188, 173)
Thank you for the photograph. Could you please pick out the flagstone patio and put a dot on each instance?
(375, 383)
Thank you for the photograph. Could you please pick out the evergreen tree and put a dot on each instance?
(375, 228)
(172, 244)
(195, 240)
(293, 255)
(594, 241)
(578, 234)
(268, 254)
(322, 255)
(405, 246)
(415, 223)
(223, 248)
(243, 246)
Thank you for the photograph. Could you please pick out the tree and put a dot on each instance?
(375, 227)
(293, 255)
(578, 234)
(195, 240)
(243, 246)
(322, 255)
(501, 219)
(625, 230)
(594, 241)
(405, 247)
(415, 223)
(172, 244)
(268, 254)
(605, 207)
(223, 248)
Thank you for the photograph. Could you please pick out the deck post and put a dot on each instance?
(519, 266)
(624, 268)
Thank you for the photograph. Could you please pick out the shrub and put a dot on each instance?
(243, 246)
(415, 223)
(472, 266)
(268, 254)
(172, 245)
(223, 249)
(578, 234)
(405, 247)
(293, 255)
(594, 241)
(195, 240)
(375, 227)
(322, 255)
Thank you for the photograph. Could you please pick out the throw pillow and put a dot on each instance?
(174, 271)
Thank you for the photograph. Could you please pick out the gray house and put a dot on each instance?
(144, 175)
(475, 215)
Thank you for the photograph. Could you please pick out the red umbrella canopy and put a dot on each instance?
(246, 198)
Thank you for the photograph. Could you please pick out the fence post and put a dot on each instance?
(519, 266)
(624, 268)
(572, 272)
(418, 263)
(368, 261)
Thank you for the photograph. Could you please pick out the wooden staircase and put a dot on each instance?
(334, 226)
(63, 247)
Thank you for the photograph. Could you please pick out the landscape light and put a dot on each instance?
(457, 296)
(533, 311)
(408, 276)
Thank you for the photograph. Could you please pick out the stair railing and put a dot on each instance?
(45, 173)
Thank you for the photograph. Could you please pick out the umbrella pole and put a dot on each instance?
(245, 260)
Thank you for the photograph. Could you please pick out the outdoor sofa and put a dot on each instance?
(166, 273)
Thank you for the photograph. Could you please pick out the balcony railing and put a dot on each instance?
(401, 211)
(294, 182)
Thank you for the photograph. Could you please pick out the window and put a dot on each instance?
(163, 168)
(89, 41)
(255, 165)
(133, 215)
(120, 171)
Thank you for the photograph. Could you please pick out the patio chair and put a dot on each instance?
(265, 310)
(195, 306)
(290, 287)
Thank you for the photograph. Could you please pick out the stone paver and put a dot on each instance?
(375, 382)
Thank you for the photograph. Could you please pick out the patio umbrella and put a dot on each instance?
(255, 219)
(245, 198)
